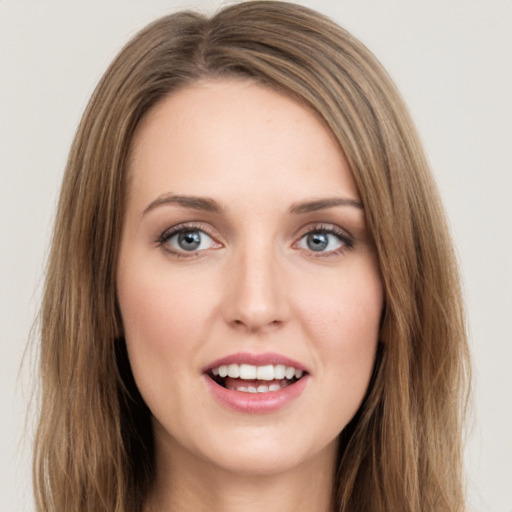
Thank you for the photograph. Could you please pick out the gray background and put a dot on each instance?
(453, 63)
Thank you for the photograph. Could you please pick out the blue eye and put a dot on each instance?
(323, 241)
(188, 240)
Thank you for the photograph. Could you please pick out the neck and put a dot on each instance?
(185, 483)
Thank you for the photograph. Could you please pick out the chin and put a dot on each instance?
(267, 452)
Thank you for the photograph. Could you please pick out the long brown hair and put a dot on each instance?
(402, 451)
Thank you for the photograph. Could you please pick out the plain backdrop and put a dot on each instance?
(452, 60)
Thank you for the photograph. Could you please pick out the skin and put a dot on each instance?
(254, 285)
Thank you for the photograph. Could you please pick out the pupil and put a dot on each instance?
(317, 241)
(189, 240)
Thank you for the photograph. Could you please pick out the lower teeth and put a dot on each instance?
(262, 388)
(252, 386)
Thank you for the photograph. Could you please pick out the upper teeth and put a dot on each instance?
(251, 372)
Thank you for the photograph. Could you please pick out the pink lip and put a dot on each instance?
(256, 360)
(256, 403)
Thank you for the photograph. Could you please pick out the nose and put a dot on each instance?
(255, 299)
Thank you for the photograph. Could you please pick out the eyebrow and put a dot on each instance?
(192, 202)
(322, 204)
(210, 205)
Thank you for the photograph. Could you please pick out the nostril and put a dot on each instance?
(255, 326)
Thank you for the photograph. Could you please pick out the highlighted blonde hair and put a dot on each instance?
(402, 452)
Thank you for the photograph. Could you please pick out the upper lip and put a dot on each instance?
(266, 358)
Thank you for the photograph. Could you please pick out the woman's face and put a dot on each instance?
(245, 252)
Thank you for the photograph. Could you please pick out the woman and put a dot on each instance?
(252, 298)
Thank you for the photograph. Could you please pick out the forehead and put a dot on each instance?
(229, 136)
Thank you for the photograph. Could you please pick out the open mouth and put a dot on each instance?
(248, 378)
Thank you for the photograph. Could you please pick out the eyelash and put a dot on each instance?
(176, 230)
(347, 241)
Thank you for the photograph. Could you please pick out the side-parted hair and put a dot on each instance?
(94, 448)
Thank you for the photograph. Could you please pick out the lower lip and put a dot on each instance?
(256, 403)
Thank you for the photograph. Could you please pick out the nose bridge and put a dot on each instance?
(255, 299)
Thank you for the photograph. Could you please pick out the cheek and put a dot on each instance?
(164, 321)
(156, 304)
(346, 310)
(343, 319)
